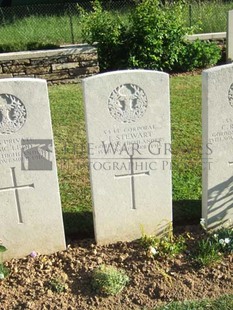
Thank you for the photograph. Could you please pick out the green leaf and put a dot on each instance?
(2, 249)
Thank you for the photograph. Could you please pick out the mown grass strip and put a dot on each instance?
(224, 303)
(19, 33)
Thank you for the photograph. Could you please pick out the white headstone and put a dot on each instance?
(229, 42)
(217, 122)
(128, 127)
(30, 207)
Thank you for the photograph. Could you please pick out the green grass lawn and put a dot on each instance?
(70, 141)
(44, 30)
(222, 303)
(208, 16)
(20, 33)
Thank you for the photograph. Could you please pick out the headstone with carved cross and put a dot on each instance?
(30, 208)
(128, 127)
(217, 122)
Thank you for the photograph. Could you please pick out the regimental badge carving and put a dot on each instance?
(13, 114)
(127, 103)
(230, 95)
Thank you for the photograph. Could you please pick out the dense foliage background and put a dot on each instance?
(152, 37)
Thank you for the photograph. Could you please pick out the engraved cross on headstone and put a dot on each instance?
(16, 189)
(132, 175)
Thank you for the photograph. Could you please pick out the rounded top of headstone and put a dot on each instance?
(13, 114)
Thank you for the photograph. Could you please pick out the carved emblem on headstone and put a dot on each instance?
(230, 95)
(12, 114)
(127, 103)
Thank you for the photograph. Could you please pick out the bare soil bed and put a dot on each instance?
(153, 280)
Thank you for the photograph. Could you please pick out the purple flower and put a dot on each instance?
(33, 254)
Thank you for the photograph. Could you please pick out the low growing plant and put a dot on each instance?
(165, 246)
(217, 243)
(109, 280)
(224, 238)
(58, 284)
(172, 246)
(3, 270)
(207, 253)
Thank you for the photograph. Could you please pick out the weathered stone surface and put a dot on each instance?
(38, 70)
(53, 65)
(83, 71)
(92, 70)
(60, 59)
(128, 127)
(91, 63)
(30, 209)
(78, 72)
(54, 76)
(41, 62)
(69, 65)
(217, 122)
(84, 57)
(21, 62)
(13, 69)
(23, 75)
(5, 76)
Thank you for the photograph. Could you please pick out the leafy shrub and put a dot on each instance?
(155, 36)
(151, 38)
(109, 280)
(198, 54)
(110, 32)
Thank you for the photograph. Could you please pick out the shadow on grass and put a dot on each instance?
(78, 225)
(186, 212)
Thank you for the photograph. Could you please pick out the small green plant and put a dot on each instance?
(148, 241)
(173, 246)
(58, 284)
(3, 270)
(168, 245)
(109, 280)
(210, 250)
(207, 252)
(224, 238)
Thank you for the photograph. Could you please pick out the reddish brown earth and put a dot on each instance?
(152, 280)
